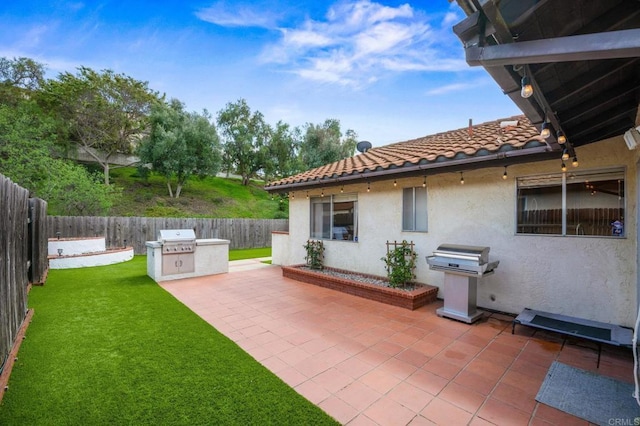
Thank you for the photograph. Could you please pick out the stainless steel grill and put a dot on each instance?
(463, 260)
(462, 266)
(178, 250)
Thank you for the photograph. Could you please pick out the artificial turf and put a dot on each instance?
(107, 345)
(250, 253)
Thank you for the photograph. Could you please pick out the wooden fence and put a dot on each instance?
(22, 236)
(37, 244)
(136, 231)
(588, 221)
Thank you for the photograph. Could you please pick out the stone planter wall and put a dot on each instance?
(408, 299)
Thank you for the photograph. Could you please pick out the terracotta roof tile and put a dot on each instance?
(461, 143)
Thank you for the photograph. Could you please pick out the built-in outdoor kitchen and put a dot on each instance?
(177, 254)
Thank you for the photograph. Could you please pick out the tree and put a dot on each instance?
(19, 77)
(244, 136)
(180, 145)
(105, 112)
(323, 144)
(281, 157)
(26, 142)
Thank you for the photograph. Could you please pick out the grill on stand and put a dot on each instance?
(462, 267)
(178, 250)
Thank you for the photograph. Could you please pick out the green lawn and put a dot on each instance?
(239, 254)
(107, 345)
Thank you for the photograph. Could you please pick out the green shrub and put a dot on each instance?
(315, 254)
(400, 264)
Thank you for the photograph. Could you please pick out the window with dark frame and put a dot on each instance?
(335, 217)
(590, 203)
(414, 209)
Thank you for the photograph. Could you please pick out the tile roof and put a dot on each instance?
(515, 133)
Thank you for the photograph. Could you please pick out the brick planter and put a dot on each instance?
(408, 299)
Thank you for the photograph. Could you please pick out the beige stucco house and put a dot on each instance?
(580, 263)
(566, 237)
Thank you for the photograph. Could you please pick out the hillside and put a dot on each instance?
(210, 197)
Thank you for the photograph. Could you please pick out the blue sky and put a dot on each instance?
(389, 70)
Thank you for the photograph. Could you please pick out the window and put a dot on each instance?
(335, 217)
(577, 203)
(414, 209)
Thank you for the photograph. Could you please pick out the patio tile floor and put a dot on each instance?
(366, 363)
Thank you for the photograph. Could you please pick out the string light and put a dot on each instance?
(322, 192)
(563, 167)
(395, 183)
(307, 195)
(424, 182)
(504, 175)
(565, 155)
(575, 162)
(342, 189)
(527, 88)
(545, 132)
(561, 137)
(293, 195)
(461, 179)
(368, 186)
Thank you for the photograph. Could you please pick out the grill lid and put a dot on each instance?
(176, 235)
(475, 254)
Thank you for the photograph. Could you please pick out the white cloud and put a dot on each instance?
(238, 15)
(454, 87)
(305, 38)
(450, 19)
(361, 41)
(460, 86)
(34, 36)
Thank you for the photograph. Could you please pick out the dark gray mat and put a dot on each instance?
(568, 327)
(592, 397)
(593, 330)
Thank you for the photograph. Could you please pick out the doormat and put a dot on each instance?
(592, 397)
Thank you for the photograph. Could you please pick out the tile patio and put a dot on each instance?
(366, 363)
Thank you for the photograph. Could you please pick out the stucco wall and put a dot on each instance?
(588, 277)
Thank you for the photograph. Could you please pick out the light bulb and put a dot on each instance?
(545, 132)
(395, 183)
(527, 88)
(561, 138)
(565, 155)
(564, 167)
(575, 162)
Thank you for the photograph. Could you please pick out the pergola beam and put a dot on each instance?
(607, 45)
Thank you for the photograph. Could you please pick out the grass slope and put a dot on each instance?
(107, 345)
(209, 197)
